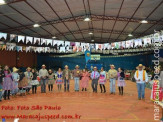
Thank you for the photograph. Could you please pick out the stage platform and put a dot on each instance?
(88, 106)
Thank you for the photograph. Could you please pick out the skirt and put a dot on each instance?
(121, 83)
(59, 81)
(23, 83)
(8, 83)
(102, 81)
(50, 81)
(84, 82)
(34, 82)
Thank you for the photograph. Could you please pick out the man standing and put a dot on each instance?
(95, 76)
(43, 73)
(141, 77)
(66, 78)
(112, 74)
(76, 74)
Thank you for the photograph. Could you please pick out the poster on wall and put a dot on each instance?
(36, 41)
(147, 41)
(21, 38)
(58, 43)
(13, 38)
(106, 46)
(29, 39)
(43, 41)
(117, 45)
(67, 43)
(137, 42)
(129, 44)
(99, 46)
(3, 35)
(122, 44)
(49, 42)
(112, 45)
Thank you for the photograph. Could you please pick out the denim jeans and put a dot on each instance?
(141, 90)
(43, 85)
(76, 79)
(66, 85)
(112, 85)
(94, 85)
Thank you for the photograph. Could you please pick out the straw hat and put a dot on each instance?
(15, 69)
(50, 70)
(43, 65)
(94, 67)
(140, 65)
(66, 65)
(112, 65)
(77, 66)
(28, 68)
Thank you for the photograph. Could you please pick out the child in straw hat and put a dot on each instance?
(15, 77)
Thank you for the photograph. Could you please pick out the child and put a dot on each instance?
(59, 80)
(15, 77)
(121, 81)
(51, 78)
(34, 82)
(23, 83)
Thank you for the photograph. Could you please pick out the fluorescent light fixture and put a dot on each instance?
(87, 19)
(130, 35)
(2, 2)
(144, 21)
(92, 40)
(90, 33)
(36, 25)
(54, 37)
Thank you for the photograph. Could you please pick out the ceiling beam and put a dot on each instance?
(80, 18)
(97, 40)
(95, 30)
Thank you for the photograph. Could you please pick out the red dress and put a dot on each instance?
(85, 80)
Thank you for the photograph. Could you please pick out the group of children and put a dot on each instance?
(17, 81)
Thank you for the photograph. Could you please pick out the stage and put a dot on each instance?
(82, 106)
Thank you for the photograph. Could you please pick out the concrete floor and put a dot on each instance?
(88, 106)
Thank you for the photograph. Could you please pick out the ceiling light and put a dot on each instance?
(87, 19)
(54, 37)
(36, 25)
(2, 2)
(92, 40)
(90, 33)
(144, 21)
(130, 35)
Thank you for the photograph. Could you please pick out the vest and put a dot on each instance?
(137, 74)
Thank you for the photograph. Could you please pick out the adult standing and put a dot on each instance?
(29, 76)
(102, 80)
(43, 73)
(95, 76)
(59, 80)
(121, 81)
(76, 74)
(8, 82)
(66, 78)
(85, 79)
(141, 77)
(1, 80)
(112, 74)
